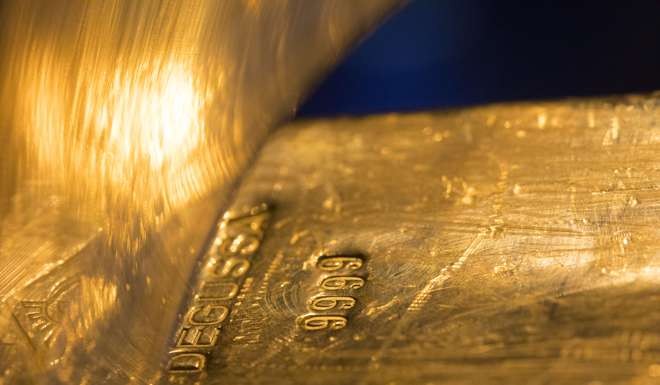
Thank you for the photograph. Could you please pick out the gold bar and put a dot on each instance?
(124, 127)
(510, 243)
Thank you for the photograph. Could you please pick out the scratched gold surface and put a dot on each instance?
(124, 126)
(509, 244)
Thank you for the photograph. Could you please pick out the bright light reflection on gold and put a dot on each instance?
(122, 141)
(154, 116)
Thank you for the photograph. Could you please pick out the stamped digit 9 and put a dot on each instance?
(313, 322)
(330, 307)
(339, 262)
(339, 283)
(332, 302)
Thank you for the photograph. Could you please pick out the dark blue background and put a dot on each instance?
(436, 53)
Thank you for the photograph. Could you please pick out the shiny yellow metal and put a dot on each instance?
(122, 121)
(511, 244)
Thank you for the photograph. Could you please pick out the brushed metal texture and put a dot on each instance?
(124, 126)
(512, 243)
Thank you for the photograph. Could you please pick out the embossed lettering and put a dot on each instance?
(335, 263)
(314, 322)
(217, 291)
(235, 267)
(207, 314)
(339, 283)
(222, 276)
(241, 245)
(198, 337)
(187, 363)
(332, 302)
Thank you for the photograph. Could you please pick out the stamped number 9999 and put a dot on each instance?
(328, 309)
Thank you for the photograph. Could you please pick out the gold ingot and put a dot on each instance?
(509, 243)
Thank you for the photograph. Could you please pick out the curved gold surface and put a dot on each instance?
(506, 244)
(120, 122)
(509, 244)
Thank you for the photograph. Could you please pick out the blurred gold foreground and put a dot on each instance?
(151, 231)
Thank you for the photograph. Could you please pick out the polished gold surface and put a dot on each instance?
(508, 244)
(503, 244)
(124, 126)
(133, 109)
